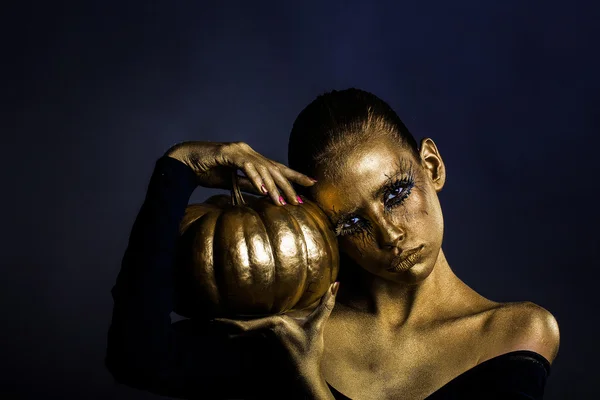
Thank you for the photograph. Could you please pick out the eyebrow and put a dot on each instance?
(339, 216)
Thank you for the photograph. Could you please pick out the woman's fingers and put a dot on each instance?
(317, 318)
(285, 186)
(270, 185)
(212, 163)
(267, 177)
(280, 176)
(294, 175)
(248, 186)
(303, 338)
(252, 178)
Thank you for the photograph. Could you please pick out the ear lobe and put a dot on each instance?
(433, 164)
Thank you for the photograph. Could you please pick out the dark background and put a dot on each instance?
(94, 93)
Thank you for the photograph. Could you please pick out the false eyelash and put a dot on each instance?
(406, 184)
(364, 227)
(360, 226)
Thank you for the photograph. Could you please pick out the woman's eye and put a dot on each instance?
(394, 193)
(347, 224)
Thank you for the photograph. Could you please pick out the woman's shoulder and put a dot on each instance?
(518, 326)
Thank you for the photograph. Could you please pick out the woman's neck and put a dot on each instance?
(397, 304)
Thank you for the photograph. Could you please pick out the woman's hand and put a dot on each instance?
(213, 162)
(301, 336)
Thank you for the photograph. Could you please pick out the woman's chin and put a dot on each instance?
(411, 276)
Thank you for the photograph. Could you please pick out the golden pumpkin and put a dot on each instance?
(248, 257)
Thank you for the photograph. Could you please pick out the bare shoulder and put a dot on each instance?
(521, 326)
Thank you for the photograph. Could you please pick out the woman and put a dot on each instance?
(403, 326)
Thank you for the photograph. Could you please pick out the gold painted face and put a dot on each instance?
(383, 205)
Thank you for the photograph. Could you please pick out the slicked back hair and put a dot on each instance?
(342, 120)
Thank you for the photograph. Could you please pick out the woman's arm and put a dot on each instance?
(143, 349)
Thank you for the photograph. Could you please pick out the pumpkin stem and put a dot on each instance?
(236, 194)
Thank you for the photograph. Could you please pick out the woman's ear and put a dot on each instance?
(432, 163)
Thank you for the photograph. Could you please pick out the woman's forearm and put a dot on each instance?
(141, 345)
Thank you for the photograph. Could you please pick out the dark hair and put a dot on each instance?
(342, 119)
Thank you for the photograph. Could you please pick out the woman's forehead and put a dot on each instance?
(365, 183)
(368, 161)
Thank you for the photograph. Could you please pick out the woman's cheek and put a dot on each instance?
(417, 208)
(357, 247)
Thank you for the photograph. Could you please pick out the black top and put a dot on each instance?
(191, 359)
(515, 375)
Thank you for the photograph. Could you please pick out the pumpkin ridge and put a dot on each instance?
(192, 271)
(234, 280)
(318, 216)
(258, 208)
(255, 217)
(207, 221)
(275, 262)
(281, 215)
(218, 272)
(324, 234)
(297, 227)
(264, 207)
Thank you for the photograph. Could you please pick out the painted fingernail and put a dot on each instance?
(299, 200)
(335, 288)
(312, 179)
(281, 200)
(264, 189)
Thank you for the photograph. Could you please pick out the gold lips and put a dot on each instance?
(404, 263)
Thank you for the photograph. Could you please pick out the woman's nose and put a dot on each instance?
(390, 235)
(392, 242)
